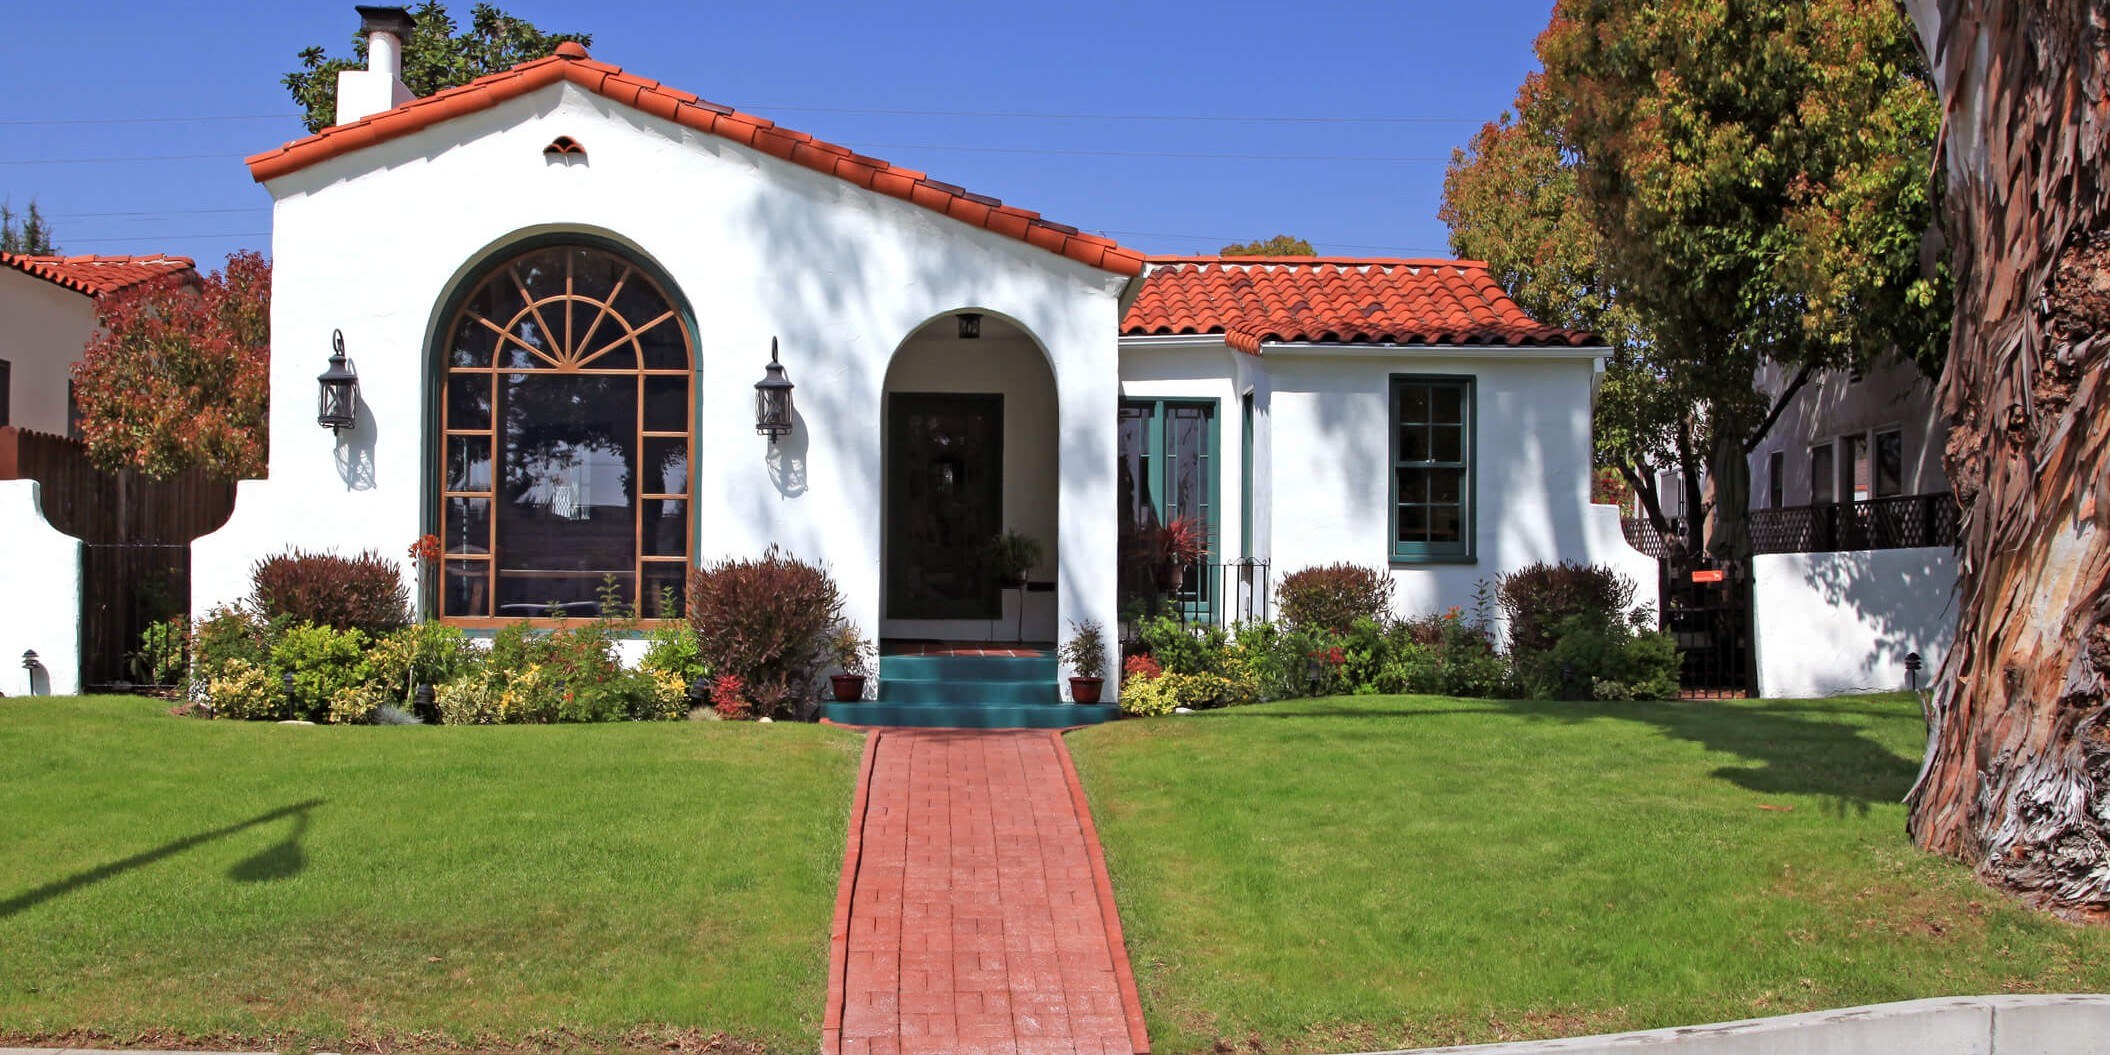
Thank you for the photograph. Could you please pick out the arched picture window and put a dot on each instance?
(565, 432)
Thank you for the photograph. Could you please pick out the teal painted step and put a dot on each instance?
(948, 690)
(968, 668)
(970, 716)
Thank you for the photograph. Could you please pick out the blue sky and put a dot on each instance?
(1365, 98)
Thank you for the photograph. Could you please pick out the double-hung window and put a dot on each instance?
(1432, 469)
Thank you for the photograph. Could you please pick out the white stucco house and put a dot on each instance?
(49, 303)
(558, 286)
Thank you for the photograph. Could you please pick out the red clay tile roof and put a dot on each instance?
(100, 275)
(570, 63)
(1333, 300)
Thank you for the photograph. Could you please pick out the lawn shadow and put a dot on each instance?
(276, 862)
(1792, 755)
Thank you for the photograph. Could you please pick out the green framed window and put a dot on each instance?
(1432, 469)
(1168, 470)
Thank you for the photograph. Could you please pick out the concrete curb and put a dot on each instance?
(2074, 1024)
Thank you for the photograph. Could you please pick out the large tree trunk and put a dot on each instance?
(2017, 775)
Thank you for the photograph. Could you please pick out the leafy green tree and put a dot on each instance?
(434, 58)
(1280, 245)
(32, 237)
(1510, 199)
(1753, 176)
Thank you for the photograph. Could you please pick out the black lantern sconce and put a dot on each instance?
(773, 399)
(340, 390)
(970, 325)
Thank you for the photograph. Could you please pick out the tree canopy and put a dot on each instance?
(31, 237)
(434, 58)
(1714, 187)
(1280, 245)
(178, 377)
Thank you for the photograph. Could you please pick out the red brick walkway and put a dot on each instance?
(974, 915)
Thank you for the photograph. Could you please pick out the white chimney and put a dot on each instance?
(379, 87)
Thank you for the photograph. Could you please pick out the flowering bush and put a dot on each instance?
(729, 696)
(178, 375)
(1140, 667)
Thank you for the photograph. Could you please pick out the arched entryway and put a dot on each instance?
(969, 449)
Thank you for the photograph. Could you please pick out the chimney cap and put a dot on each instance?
(395, 21)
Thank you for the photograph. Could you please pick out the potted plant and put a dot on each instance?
(1085, 654)
(851, 652)
(1011, 555)
(1174, 547)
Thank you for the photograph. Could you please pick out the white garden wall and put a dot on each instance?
(41, 579)
(1832, 623)
(373, 243)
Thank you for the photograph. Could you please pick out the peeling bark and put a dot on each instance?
(2017, 775)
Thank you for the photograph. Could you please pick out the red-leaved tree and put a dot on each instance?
(179, 376)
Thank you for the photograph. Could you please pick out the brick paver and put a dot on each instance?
(979, 919)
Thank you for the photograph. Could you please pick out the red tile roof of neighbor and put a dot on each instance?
(570, 63)
(1335, 300)
(100, 275)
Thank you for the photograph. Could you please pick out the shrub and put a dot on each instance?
(1140, 667)
(729, 696)
(1535, 599)
(227, 635)
(160, 659)
(1597, 658)
(364, 593)
(1334, 596)
(1184, 649)
(1151, 697)
(422, 654)
(671, 649)
(765, 621)
(469, 700)
(324, 663)
(242, 689)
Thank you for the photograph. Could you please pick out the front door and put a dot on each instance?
(945, 504)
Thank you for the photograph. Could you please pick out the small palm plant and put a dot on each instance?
(1011, 555)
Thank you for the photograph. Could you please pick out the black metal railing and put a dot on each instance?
(1203, 593)
(1901, 522)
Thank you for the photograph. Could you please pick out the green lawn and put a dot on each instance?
(1361, 873)
(620, 886)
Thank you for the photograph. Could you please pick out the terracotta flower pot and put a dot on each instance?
(849, 688)
(1086, 690)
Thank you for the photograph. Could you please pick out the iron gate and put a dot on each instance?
(1707, 609)
(125, 588)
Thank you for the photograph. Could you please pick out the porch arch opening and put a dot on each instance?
(969, 451)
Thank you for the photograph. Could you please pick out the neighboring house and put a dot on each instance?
(559, 286)
(1852, 530)
(49, 303)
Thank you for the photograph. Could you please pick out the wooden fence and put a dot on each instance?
(136, 561)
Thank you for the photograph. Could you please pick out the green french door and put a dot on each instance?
(1168, 470)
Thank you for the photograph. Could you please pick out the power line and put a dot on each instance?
(1016, 115)
(147, 120)
(154, 213)
(1042, 151)
(168, 237)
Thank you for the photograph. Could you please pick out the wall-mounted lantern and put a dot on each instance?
(773, 399)
(970, 325)
(340, 390)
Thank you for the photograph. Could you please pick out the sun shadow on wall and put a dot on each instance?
(279, 861)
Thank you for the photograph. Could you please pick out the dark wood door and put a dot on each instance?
(945, 503)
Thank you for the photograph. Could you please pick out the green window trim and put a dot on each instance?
(1432, 479)
(1157, 414)
(1245, 476)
